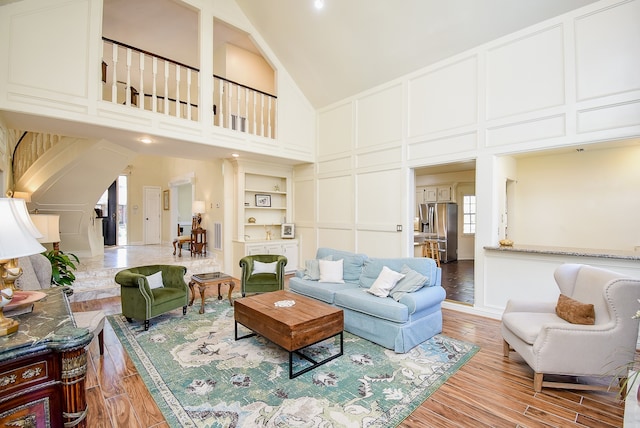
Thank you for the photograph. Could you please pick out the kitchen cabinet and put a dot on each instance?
(445, 194)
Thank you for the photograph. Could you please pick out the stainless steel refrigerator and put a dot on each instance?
(439, 221)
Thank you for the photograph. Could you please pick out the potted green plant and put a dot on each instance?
(62, 267)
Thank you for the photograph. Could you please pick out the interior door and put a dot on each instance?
(152, 213)
(110, 221)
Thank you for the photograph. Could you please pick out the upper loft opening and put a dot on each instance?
(152, 61)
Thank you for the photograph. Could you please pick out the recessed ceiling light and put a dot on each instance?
(318, 4)
(235, 155)
(146, 140)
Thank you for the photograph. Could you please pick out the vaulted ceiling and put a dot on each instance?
(346, 47)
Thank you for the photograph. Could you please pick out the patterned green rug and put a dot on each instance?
(201, 377)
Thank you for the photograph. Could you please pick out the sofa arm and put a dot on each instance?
(423, 298)
(126, 278)
(173, 276)
(529, 306)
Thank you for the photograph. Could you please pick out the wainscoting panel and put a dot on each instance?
(526, 74)
(304, 202)
(334, 165)
(336, 200)
(456, 83)
(383, 196)
(604, 41)
(335, 130)
(380, 244)
(442, 146)
(379, 117)
(380, 157)
(609, 117)
(532, 130)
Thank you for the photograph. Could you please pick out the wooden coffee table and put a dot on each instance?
(294, 328)
(203, 280)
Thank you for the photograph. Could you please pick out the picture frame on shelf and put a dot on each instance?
(287, 230)
(263, 200)
(165, 199)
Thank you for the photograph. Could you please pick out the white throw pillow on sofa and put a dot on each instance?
(385, 282)
(261, 267)
(331, 271)
(155, 280)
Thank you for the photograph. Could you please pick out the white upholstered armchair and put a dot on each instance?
(551, 345)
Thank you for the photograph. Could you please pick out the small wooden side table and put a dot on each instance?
(204, 280)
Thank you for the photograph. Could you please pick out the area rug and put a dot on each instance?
(201, 377)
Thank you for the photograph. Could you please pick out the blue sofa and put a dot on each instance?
(398, 325)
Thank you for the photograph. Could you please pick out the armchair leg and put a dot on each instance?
(146, 325)
(506, 348)
(184, 310)
(537, 381)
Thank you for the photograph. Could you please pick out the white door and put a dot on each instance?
(152, 220)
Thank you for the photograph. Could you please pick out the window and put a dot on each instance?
(469, 214)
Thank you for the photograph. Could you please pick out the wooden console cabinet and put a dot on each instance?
(43, 367)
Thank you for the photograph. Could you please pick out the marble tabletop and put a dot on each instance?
(49, 326)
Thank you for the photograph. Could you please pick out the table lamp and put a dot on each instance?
(17, 239)
(49, 227)
(198, 208)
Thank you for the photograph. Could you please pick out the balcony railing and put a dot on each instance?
(150, 82)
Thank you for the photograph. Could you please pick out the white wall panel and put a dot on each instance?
(341, 239)
(526, 74)
(609, 117)
(383, 203)
(604, 43)
(335, 130)
(443, 99)
(304, 202)
(379, 117)
(532, 130)
(38, 42)
(334, 165)
(335, 200)
(380, 157)
(442, 146)
(380, 244)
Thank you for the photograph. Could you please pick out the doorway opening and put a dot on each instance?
(112, 209)
(449, 184)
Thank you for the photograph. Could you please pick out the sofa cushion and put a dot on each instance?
(422, 265)
(412, 281)
(385, 282)
(352, 266)
(528, 325)
(331, 271)
(357, 299)
(312, 269)
(324, 291)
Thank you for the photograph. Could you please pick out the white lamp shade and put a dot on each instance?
(198, 207)
(16, 239)
(48, 225)
(23, 214)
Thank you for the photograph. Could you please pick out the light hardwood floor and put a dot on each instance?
(487, 391)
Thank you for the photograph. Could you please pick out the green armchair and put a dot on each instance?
(141, 302)
(262, 282)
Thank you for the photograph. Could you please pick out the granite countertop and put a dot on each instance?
(568, 251)
(49, 326)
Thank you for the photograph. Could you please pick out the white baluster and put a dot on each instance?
(114, 74)
(246, 107)
(166, 87)
(238, 107)
(221, 108)
(177, 90)
(269, 128)
(262, 118)
(141, 91)
(154, 96)
(188, 94)
(128, 88)
(255, 130)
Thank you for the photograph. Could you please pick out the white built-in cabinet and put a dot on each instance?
(264, 204)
